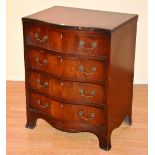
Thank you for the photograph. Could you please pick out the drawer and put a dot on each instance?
(85, 44)
(38, 36)
(67, 112)
(67, 67)
(68, 41)
(65, 90)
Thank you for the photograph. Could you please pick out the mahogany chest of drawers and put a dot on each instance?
(79, 67)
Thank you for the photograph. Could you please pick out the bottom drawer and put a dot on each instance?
(67, 112)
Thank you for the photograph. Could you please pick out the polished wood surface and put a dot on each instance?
(121, 74)
(44, 140)
(67, 67)
(85, 92)
(66, 112)
(70, 42)
(67, 16)
(109, 95)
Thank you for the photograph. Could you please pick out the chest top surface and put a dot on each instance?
(69, 16)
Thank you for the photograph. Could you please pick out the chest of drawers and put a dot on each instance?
(79, 67)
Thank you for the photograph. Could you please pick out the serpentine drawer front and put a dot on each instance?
(83, 92)
(68, 67)
(74, 42)
(79, 69)
(67, 112)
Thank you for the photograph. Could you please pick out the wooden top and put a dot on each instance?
(68, 16)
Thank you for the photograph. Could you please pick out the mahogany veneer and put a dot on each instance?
(79, 67)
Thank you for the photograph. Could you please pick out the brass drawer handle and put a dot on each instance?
(83, 70)
(42, 106)
(82, 45)
(43, 40)
(87, 93)
(90, 117)
(43, 84)
(44, 62)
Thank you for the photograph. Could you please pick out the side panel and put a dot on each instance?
(121, 73)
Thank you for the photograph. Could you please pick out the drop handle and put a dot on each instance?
(83, 70)
(42, 106)
(83, 46)
(44, 62)
(42, 84)
(87, 93)
(82, 116)
(37, 38)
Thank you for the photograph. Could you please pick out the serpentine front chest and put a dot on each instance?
(79, 67)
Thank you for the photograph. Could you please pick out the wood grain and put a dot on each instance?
(63, 89)
(67, 67)
(121, 74)
(117, 46)
(67, 16)
(67, 112)
(67, 41)
(45, 140)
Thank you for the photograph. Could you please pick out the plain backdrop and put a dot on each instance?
(16, 9)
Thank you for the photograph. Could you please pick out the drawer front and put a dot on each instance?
(67, 112)
(86, 44)
(38, 36)
(69, 68)
(68, 41)
(74, 91)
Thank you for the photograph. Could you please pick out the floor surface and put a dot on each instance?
(45, 140)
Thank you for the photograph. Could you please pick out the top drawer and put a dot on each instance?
(67, 41)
